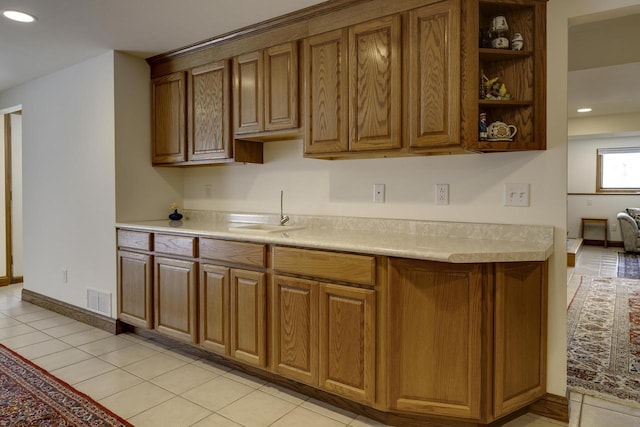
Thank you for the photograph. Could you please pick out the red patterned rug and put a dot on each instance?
(604, 339)
(30, 396)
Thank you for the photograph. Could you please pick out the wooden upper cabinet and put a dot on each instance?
(265, 90)
(353, 88)
(434, 75)
(169, 105)
(402, 79)
(248, 94)
(281, 87)
(327, 92)
(523, 73)
(209, 112)
(375, 84)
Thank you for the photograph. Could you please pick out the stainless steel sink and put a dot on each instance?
(265, 228)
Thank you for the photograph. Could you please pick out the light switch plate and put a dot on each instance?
(516, 194)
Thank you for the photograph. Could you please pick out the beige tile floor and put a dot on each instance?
(150, 385)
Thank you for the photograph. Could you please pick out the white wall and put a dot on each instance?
(582, 179)
(142, 191)
(75, 121)
(611, 124)
(68, 179)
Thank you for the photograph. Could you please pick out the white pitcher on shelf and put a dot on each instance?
(499, 25)
(500, 131)
(499, 29)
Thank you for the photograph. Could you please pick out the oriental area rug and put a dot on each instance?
(628, 265)
(30, 396)
(603, 328)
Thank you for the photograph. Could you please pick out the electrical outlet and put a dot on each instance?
(442, 194)
(613, 227)
(516, 195)
(378, 193)
(65, 276)
(208, 191)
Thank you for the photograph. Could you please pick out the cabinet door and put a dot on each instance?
(281, 87)
(248, 317)
(168, 118)
(175, 298)
(327, 93)
(375, 84)
(214, 308)
(435, 337)
(434, 75)
(520, 335)
(347, 341)
(248, 93)
(135, 279)
(295, 328)
(209, 112)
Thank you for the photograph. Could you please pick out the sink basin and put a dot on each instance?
(265, 228)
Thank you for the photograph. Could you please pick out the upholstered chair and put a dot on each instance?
(630, 232)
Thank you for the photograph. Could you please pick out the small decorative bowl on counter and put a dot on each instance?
(175, 215)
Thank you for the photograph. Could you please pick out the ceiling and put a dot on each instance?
(604, 58)
(604, 63)
(71, 31)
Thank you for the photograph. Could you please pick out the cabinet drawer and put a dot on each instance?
(175, 245)
(134, 240)
(252, 254)
(358, 269)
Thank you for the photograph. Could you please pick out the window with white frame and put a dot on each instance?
(618, 170)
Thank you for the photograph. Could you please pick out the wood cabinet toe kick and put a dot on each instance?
(408, 339)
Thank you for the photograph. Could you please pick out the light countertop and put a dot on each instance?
(454, 242)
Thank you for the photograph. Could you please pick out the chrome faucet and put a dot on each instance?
(283, 218)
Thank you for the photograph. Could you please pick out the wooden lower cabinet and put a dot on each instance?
(294, 343)
(135, 283)
(466, 340)
(347, 341)
(214, 308)
(520, 335)
(434, 327)
(249, 317)
(420, 340)
(175, 298)
(324, 335)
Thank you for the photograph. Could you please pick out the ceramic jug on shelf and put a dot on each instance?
(500, 131)
(499, 25)
(499, 28)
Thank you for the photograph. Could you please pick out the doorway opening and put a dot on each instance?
(11, 199)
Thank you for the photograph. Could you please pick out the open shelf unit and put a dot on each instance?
(523, 72)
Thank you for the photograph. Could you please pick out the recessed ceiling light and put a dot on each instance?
(15, 15)
(584, 110)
